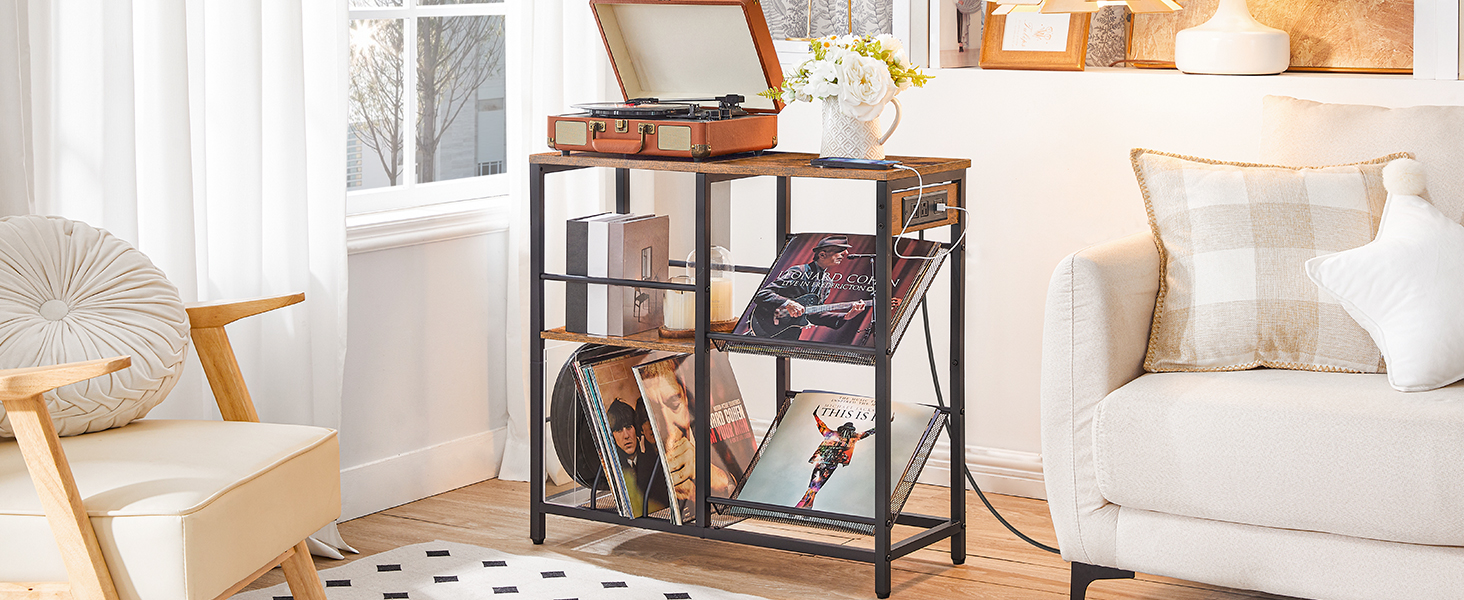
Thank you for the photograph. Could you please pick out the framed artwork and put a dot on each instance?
(1034, 41)
(1354, 36)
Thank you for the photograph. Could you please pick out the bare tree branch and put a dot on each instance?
(376, 102)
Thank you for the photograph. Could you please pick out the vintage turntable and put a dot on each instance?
(690, 71)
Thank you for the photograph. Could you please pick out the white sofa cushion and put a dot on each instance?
(222, 498)
(1302, 132)
(1329, 452)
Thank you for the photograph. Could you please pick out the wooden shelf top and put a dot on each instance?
(650, 340)
(779, 164)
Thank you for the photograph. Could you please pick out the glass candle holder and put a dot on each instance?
(724, 314)
(678, 312)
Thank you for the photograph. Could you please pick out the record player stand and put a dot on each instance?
(783, 166)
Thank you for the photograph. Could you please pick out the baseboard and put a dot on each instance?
(394, 481)
(1009, 472)
(996, 470)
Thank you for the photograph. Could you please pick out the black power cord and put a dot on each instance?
(940, 399)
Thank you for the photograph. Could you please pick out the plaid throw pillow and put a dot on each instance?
(1233, 238)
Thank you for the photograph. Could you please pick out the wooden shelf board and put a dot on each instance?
(779, 164)
(650, 340)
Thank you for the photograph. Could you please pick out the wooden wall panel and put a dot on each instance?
(1326, 35)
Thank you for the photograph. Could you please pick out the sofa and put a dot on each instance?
(1311, 484)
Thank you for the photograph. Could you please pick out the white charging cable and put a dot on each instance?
(919, 200)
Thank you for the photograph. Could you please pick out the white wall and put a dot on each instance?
(423, 409)
(424, 405)
(1050, 175)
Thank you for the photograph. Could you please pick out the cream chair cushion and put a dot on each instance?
(1329, 452)
(183, 509)
(71, 292)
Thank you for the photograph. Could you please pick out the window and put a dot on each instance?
(427, 102)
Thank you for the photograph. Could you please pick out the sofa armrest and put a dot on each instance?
(1095, 333)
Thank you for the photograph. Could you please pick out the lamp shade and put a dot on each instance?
(1083, 6)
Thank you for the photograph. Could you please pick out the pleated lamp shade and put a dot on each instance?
(1083, 6)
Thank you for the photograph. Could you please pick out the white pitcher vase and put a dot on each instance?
(847, 137)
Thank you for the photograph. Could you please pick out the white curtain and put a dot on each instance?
(211, 136)
(567, 66)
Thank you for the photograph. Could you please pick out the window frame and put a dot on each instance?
(411, 194)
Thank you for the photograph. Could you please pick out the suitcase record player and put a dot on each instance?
(690, 72)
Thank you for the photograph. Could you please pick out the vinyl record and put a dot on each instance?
(641, 111)
(569, 425)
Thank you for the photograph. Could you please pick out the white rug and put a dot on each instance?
(451, 571)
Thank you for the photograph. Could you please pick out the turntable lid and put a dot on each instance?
(672, 49)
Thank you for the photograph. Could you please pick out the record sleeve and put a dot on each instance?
(817, 455)
(668, 387)
(626, 441)
(821, 289)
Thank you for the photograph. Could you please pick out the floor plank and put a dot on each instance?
(999, 565)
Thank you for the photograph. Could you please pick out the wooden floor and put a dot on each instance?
(998, 565)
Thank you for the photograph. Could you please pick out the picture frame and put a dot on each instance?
(1034, 41)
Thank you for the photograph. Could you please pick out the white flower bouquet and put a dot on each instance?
(861, 73)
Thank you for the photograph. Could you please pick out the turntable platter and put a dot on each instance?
(643, 111)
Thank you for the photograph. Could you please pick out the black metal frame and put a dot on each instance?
(885, 548)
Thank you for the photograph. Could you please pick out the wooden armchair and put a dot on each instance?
(161, 509)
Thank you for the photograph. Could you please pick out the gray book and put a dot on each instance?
(638, 248)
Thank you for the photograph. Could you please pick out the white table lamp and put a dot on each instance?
(1232, 43)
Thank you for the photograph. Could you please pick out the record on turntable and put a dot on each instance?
(637, 110)
(690, 90)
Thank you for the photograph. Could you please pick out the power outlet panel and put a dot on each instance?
(920, 209)
(917, 210)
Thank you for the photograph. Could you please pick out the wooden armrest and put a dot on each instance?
(203, 315)
(21, 392)
(217, 355)
(24, 383)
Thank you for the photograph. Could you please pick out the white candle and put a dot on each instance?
(680, 310)
(722, 300)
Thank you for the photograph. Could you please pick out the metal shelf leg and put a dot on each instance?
(882, 399)
(536, 354)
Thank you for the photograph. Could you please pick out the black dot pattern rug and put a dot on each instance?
(452, 571)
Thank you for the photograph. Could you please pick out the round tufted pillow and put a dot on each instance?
(71, 292)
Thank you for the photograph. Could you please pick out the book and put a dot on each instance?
(623, 432)
(821, 289)
(597, 306)
(668, 387)
(817, 455)
(577, 262)
(638, 247)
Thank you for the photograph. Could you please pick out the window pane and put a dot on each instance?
(441, 2)
(374, 145)
(461, 129)
(374, 3)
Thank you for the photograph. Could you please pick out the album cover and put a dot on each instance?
(668, 387)
(819, 455)
(821, 289)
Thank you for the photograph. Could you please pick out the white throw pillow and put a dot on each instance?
(1405, 289)
(71, 292)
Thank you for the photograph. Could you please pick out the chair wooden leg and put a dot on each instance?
(300, 574)
(1084, 574)
(51, 474)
